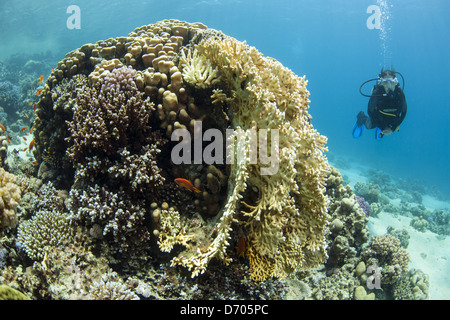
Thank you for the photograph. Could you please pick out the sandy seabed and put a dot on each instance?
(428, 251)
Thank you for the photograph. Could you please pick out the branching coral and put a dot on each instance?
(110, 128)
(110, 287)
(45, 229)
(121, 221)
(171, 228)
(109, 117)
(140, 169)
(52, 123)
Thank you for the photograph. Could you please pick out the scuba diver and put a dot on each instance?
(387, 106)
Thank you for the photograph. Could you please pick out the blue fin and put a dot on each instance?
(357, 130)
(378, 133)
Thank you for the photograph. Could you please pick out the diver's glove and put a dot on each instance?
(361, 118)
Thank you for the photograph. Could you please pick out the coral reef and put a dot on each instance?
(379, 192)
(419, 224)
(348, 223)
(115, 222)
(340, 275)
(369, 191)
(437, 221)
(357, 268)
(64, 98)
(176, 75)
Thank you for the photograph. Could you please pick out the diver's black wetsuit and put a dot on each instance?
(386, 110)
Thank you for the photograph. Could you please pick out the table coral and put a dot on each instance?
(174, 75)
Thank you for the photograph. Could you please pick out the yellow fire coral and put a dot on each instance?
(285, 225)
(197, 71)
(171, 229)
(10, 194)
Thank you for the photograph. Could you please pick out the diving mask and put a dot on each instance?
(388, 83)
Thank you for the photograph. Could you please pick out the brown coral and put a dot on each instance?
(385, 252)
(110, 129)
(109, 117)
(10, 195)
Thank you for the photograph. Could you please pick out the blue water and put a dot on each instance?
(326, 40)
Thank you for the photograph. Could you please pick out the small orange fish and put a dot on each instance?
(38, 92)
(35, 163)
(51, 70)
(31, 103)
(34, 108)
(41, 78)
(27, 116)
(23, 128)
(186, 184)
(2, 127)
(31, 145)
(24, 138)
(26, 148)
(31, 130)
(8, 140)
